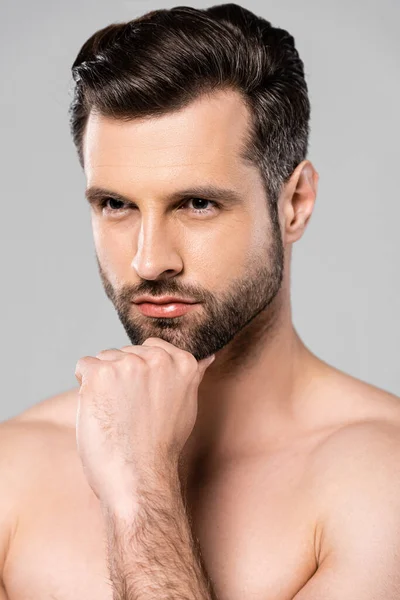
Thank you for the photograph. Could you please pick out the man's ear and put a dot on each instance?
(297, 201)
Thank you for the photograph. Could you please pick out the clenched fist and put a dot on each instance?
(137, 408)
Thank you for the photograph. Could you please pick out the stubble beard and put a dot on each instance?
(215, 322)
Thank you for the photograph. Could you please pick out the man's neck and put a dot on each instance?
(247, 402)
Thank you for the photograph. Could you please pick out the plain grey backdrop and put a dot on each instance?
(345, 275)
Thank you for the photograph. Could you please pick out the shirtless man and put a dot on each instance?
(266, 475)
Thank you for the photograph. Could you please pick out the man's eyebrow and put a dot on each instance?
(208, 192)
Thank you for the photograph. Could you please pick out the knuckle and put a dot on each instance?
(107, 352)
(158, 356)
(83, 359)
(81, 363)
(132, 362)
(188, 361)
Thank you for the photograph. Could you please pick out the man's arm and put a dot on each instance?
(359, 496)
(137, 407)
(151, 550)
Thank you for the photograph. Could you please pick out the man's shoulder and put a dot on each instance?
(360, 445)
(58, 410)
(33, 446)
(358, 420)
(355, 480)
(341, 406)
(36, 431)
(356, 426)
(32, 439)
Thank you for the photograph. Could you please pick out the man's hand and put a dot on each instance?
(137, 408)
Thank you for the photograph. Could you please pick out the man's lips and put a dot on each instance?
(171, 309)
(163, 300)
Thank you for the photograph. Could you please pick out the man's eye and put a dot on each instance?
(202, 201)
(113, 202)
(114, 205)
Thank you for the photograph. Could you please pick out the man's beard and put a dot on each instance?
(210, 326)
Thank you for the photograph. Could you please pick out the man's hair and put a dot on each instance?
(165, 59)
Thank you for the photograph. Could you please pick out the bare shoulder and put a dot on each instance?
(33, 438)
(59, 409)
(361, 448)
(29, 443)
(352, 485)
(359, 419)
(28, 439)
(31, 431)
(354, 469)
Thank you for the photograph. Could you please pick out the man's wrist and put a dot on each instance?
(162, 483)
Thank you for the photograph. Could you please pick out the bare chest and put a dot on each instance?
(252, 523)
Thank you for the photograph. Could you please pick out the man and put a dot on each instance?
(266, 474)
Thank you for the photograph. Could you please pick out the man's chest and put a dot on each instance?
(254, 529)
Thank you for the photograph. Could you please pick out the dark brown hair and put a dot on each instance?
(165, 59)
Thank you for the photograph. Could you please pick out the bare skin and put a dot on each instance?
(256, 514)
(291, 470)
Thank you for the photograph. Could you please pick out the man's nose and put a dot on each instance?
(158, 253)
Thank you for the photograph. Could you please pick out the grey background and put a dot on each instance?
(345, 276)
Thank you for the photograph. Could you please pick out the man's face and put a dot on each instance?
(229, 258)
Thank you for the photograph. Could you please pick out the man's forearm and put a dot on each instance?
(151, 551)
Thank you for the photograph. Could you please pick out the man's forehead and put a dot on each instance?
(198, 133)
(199, 145)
